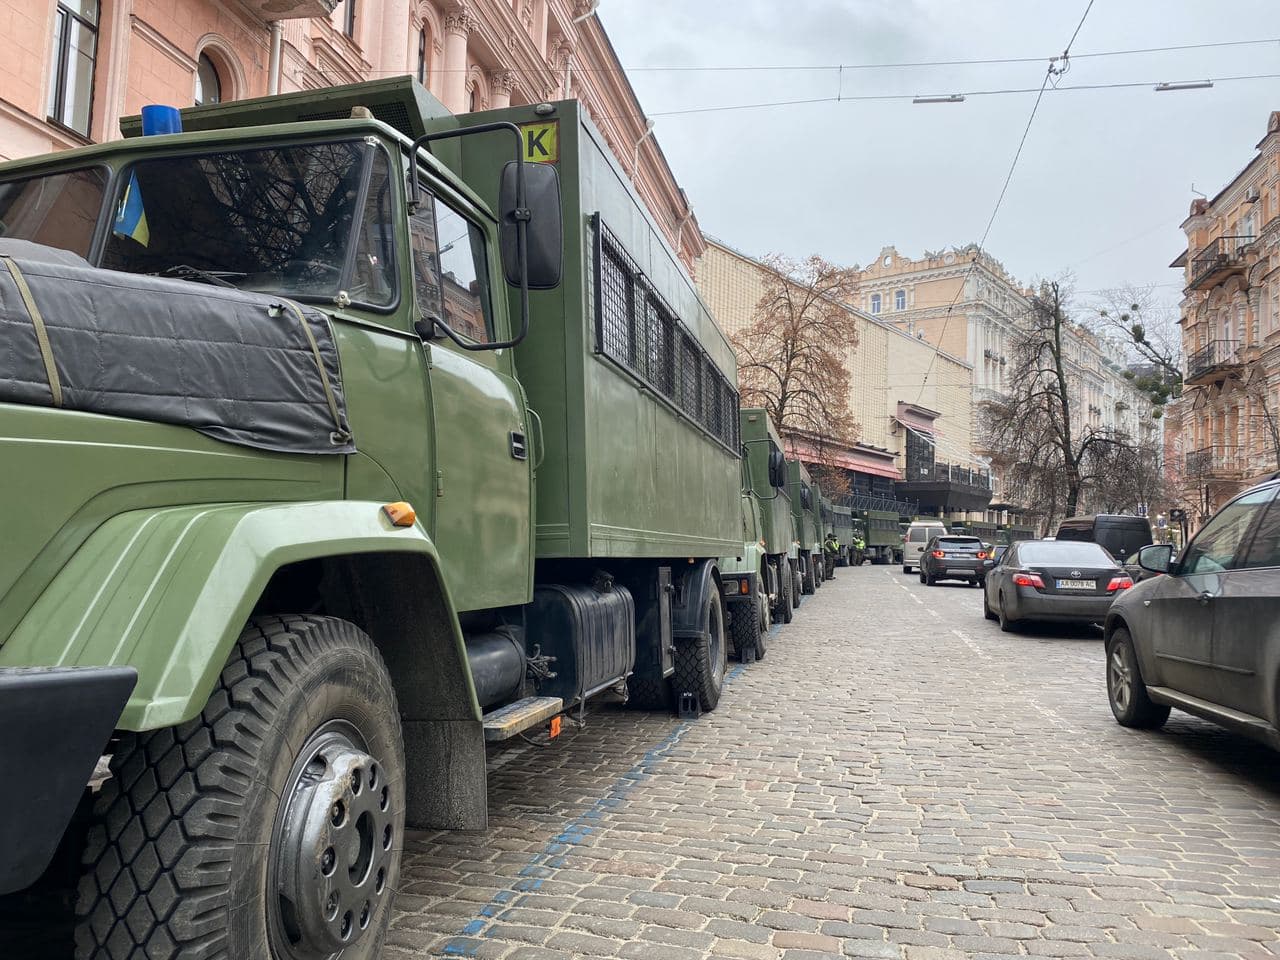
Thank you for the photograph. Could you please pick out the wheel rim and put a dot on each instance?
(1121, 679)
(331, 847)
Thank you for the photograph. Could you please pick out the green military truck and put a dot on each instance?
(986, 532)
(806, 505)
(839, 520)
(1008, 534)
(884, 538)
(766, 480)
(745, 579)
(339, 440)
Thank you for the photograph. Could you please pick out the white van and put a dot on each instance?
(919, 532)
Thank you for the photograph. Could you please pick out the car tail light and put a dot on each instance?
(938, 554)
(981, 555)
(1120, 583)
(1028, 580)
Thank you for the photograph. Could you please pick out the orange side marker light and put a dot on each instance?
(400, 514)
(555, 727)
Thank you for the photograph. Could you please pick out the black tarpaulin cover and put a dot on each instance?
(235, 365)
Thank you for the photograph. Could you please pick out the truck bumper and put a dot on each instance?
(54, 724)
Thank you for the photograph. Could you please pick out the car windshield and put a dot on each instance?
(959, 543)
(1065, 552)
(279, 219)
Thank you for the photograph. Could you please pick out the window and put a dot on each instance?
(348, 17)
(900, 300)
(451, 275)
(1264, 551)
(75, 52)
(373, 277)
(875, 303)
(1214, 547)
(60, 210)
(208, 84)
(424, 55)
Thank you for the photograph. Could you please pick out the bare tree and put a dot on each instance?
(792, 357)
(1151, 331)
(1126, 475)
(1034, 428)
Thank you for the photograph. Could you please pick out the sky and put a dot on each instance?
(1103, 181)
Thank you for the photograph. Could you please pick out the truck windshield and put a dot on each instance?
(59, 210)
(280, 219)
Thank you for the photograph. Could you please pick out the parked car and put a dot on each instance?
(1205, 638)
(954, 557)
(1119, 534)
(917, 537)
(1056, 580)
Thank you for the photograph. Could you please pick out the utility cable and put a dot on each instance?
(1057, 67)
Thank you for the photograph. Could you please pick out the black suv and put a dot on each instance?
(1206, 637)
(954, 557)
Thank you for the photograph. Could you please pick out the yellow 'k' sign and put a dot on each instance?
(541, 141)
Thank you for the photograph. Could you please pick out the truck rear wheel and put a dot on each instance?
(289, 782)
(744, 627)
(701, 663)
(809, 583)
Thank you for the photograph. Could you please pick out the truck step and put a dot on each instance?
(505, 722)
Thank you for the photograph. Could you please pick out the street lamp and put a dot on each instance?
(952, 98)
(635, 154)
(1184, 85)
(595, 5)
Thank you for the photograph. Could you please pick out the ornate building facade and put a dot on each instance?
(916, 431)
(964, 302)
(1228, 435)
(72, 68)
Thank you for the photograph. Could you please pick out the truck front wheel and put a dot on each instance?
(701, 662)
(271, 825)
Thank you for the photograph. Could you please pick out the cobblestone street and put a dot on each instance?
(897, 779)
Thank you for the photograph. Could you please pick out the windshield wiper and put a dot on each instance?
(186, 272)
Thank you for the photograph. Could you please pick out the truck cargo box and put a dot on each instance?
(634, 382)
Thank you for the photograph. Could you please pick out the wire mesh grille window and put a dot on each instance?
(636, 329)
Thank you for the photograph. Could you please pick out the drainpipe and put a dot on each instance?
(273, 65)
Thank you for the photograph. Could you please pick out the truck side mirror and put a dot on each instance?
(545, 232)
(777, 468)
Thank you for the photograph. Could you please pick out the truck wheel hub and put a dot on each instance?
(331, 847)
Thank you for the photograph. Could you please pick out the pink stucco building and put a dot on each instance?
(70, 69)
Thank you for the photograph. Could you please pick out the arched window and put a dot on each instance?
(900, 300)
(424, 55)
(875, 303)
(473, 99)
(208, 83)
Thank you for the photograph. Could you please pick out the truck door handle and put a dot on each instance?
(519, 445)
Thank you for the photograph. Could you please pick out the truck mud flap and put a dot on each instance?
(56, 723)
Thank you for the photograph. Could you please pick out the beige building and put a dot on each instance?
(1228, 436)
(965, 302)
(72, 68)
(913, 401)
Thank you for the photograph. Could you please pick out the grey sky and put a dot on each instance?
(1103, 182)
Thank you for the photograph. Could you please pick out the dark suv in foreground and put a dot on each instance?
(1206, 637)
(954, 557)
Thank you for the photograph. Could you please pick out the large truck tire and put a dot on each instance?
(289, 782)
(744, 627)
(701, 663)
(797, 586)
(809, 584)
(784, 612)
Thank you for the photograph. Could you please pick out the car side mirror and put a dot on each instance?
(1158, 557)
(544, 234)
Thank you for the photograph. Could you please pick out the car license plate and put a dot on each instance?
(961, 572)
(1077, 584)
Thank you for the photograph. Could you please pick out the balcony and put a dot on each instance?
(1220, 461)
(291, 9)
(946, 486)
(1217, 360)
(1219, 260)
